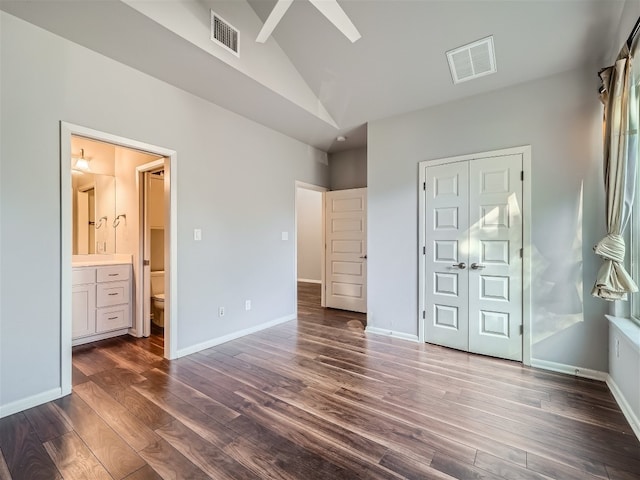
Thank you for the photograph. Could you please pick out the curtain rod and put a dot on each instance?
(634, 32)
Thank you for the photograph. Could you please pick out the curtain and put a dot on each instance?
(619, 95)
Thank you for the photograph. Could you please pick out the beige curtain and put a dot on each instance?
(619, 94)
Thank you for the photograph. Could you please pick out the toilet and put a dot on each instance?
(157, 298)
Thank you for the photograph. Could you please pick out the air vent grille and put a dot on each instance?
(224, 34)
(471, 61)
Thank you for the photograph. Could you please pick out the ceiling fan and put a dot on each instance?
(329, 8)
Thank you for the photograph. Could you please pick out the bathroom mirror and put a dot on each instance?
(94, 207)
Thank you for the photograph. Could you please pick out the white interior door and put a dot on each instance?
(473, 267)
(495, 269)
(146, 259)
(447, 253)
(346, 249)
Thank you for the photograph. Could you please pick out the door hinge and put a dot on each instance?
(424, 314)
(424, 186)
(424, 250)
(521, 252)
(522, 175)
(521, 329)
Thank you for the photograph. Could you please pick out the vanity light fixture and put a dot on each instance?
(82, 164)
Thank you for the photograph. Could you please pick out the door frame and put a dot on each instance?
(66, 131)
(316, 188)
(143, 326)
(525, 151)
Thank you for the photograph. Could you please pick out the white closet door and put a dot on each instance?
(346, 249)
(447, 297)
(495, 265)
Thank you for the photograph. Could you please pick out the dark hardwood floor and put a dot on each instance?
(317, 399)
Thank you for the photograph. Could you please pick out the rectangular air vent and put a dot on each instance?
(473, 60)
(224, 34)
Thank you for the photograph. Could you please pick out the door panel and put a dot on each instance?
(446, 232)
(346, 249)
(495, 286)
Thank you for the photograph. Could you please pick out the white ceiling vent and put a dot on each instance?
(471, 61)
(224, 34)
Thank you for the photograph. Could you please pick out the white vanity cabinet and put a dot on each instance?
(101, 302)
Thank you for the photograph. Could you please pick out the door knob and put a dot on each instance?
(460, 265)
(477, 266)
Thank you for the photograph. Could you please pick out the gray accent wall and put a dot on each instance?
(235, 180)
(348, 169)
(560, 117)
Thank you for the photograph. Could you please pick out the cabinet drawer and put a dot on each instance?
(112, 293)
(112, 318)
(113, 273)
(80, 276)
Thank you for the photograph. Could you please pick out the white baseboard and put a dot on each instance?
(570, 370)
(391, 333)
(309, 280)
(628, 412)
(232, 336)
(30, 402)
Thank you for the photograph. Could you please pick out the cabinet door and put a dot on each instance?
(83, 310)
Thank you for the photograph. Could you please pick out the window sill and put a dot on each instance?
(628, 328)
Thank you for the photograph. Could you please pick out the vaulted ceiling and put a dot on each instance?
(308, 80)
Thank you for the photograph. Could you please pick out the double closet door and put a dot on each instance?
(473, 256)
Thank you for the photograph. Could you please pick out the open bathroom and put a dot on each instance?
(119, 254)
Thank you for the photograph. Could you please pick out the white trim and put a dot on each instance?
(525, 151)
(66, 131)
(309, 280)
(627, 411)
(569, 370)
(316, 188)
(30, 402)
(99, 336)
(232, 336)
(392, 333)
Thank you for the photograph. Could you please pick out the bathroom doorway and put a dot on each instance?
(153, 192)
(116, 238)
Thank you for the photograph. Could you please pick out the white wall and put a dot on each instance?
(560, 117)
(310, 241)
(348, 169)
(234, 178)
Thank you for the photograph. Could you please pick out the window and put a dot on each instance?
(635, 213)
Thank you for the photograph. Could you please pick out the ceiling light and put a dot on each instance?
(341, 138)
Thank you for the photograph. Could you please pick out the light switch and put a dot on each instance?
(197, 234)
(285, 235)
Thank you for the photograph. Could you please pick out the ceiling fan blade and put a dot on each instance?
(335, 14)
(274, 18)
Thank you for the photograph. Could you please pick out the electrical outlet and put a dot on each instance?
(247, 305)
(221, 311)
(197, 234)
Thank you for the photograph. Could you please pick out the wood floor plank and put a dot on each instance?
(144, 473)
(130, 429)
(619, 474)
(90, 360)
(555, 469)
(47, 422)
(505, 469)
(169, 463)
(461, 470)
(206, 456)
(4, 469)
(142, 408)
(408, 467)
(74, 460)
(23, 452)
(117, 378)
(115, 455)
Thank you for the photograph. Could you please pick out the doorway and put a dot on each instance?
(309, 238)
(68, 235)
(474, 273)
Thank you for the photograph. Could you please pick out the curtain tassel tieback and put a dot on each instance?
(611, 247)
